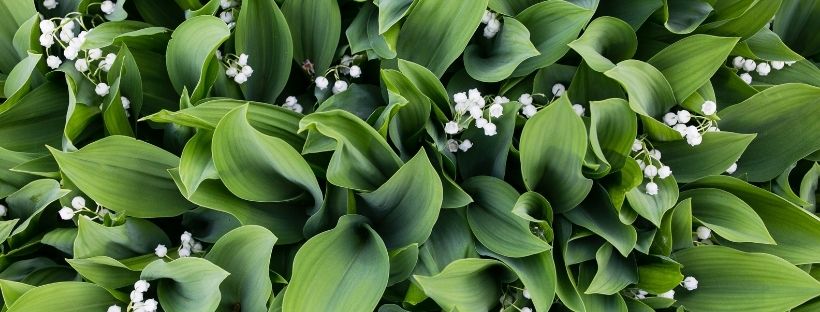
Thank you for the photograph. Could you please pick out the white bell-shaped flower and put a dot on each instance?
(703, 232)
(690, 283)
(652, 188)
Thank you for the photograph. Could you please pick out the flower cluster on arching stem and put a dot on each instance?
(762, 68)
(79, 207)
(345, 68)
(237, 67)
(649, 159)
(138, 302)
(188, 246)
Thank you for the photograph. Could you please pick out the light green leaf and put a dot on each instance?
(190, 56)
(489, 154)
(777, 114)
(728, 216)
(718, 151)
(262, 33)
(134, 237)
(559, 176)
(245, 253)
(537, 273)
(598, 215)
(614, 272)
(683, 16)
(186, 284)
(493, 222)
(343, 269)
(103, 34)
(497, 62)
(731, 280)
(689, 63)
(606, 41)
(391, 11)
(37, 119)
(405, 208)
(315, 26)
(466, 284)
(109, 169)
(612, 131)
(64, 296)
(431, 37)
(649, 92)
(262, 168)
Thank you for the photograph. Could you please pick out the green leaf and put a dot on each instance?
(613, 128)
(343, 269)
(186, 284)
(493, 222)
(728, 216)
(552, 24)
(606, 41)
(689, 63)
(659, 274)
(64, 296)
(35, 120)
(537, 273)
(391, 12)
(28, 204)
(497, 62)
(795, 23)
(614, 272)
(402, 263)
(466, 285)
(683, 16)
(13, 290)
(718, 151)
(559, 176)
(731, 280)
(263, 168)
(13, 14)
(408, 123)
(766, 45)
(796, 231)
(650, 94)
(245, 253)
(103, 34)
(777, 114)
(262, 33)
(190, 56)
(740, 18)
(405, 208)
(597, 215)
(196, 164)
(362, 159)
(431, 37)
(429, 85)
(489, 154)
(109, 169)
(20, 78)
(134, 237)
(653, 207)
(110, 273)
(315, 26)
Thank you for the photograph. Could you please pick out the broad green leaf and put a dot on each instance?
(186, 284)
(633, 12)
(391, 12)
(795, 230)
(28, 204)
(35, 120)
(466, 284)
(493, 222)
(510, 7)
(728, 216)
(262, 33)
(19, 79)
(359, 100)
(109, 169)
(537, 273)
(598, 215)
(612, 131)
(614, 272)
(64, 296)
(195, 163)
(659, 274)
(13, 290)
(588, 85)
(103, 35)
(650, 94)
(263, 168)
(427, 83)
(683, 16)
(559, 176)
(402, 263)
(134, 237)
(552, 25)
(110, 273)
(606, 41)
(245, 253)
(766, 45)
(451, 240)
(689, 63)
(653, 207)
(731, 280)
(405, 208)
(13, 14)
(498, 61)
(433, 38)
(408, 123)
(315, 26)
(190, 56)
(343, 269)
(718, 151)
(732, 19)
(795, 22)
(783, 118)
(269, 119)
(362, 159)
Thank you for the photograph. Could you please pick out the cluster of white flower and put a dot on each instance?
(138, 302)
(641, 294)
(78, 205)
(471, 106)
(228, 13)
(347, 68)
(292, 104)
(90, 63)
(454, 145)
(237, 67)
(650, 162)
(188, 245)
(510, 298)
(763, 68)
(527, 108)
(492, 22)
(701, 124)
